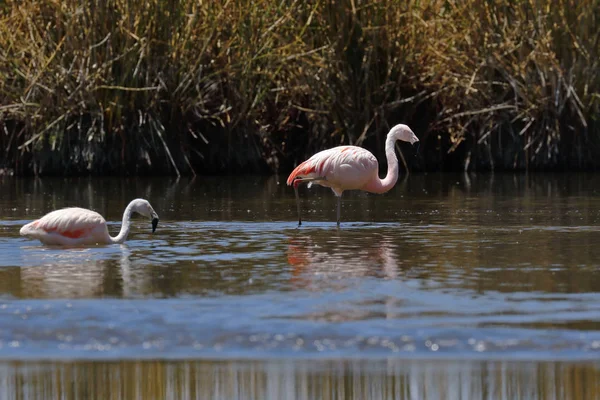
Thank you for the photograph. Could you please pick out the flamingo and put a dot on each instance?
(351, 167)
(79, 226)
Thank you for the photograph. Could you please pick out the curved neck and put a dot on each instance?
(385, 184)
(125, 226)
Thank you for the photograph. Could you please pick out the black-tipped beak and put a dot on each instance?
(416, 146)
(154, 223)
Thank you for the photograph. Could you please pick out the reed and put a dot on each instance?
(185, 87)
(518, 82)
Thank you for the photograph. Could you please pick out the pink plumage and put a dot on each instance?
(344, 167)
(79, 226)
(68, 224)
(350, 168)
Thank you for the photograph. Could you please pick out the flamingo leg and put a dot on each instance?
(298, 181)
(298, 204)
(339, 206)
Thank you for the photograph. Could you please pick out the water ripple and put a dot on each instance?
(409, 274)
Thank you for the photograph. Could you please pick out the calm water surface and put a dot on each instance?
(448, 286)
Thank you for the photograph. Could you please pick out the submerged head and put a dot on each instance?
(144, 208)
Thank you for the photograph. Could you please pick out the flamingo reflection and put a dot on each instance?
(337, 258)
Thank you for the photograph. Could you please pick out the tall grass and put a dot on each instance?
(518, 82)
(131, 86)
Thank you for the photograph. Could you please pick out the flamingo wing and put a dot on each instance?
(73, 223)
(347, 167)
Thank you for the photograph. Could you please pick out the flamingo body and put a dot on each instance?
(343, 167)
(350, 167)
(69, 226)
(76, 226)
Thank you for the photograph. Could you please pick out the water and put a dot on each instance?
(449, 286)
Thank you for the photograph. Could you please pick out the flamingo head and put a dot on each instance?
(144, 208)
(404, 133)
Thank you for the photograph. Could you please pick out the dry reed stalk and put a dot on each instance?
(184, 86)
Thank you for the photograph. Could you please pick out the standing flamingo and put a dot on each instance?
(79, 226)
(351, 167)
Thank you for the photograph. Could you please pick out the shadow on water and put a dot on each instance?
(494, 270)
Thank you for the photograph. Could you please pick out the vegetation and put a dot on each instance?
(185, 87)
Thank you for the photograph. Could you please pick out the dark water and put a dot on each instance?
(449, 286)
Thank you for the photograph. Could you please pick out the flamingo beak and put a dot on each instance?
(154, 222)
(416, 146)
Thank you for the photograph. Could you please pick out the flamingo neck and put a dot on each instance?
(383, 185)
(125, 226)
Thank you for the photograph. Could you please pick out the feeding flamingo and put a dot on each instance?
(351, 167)
(79, 226)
